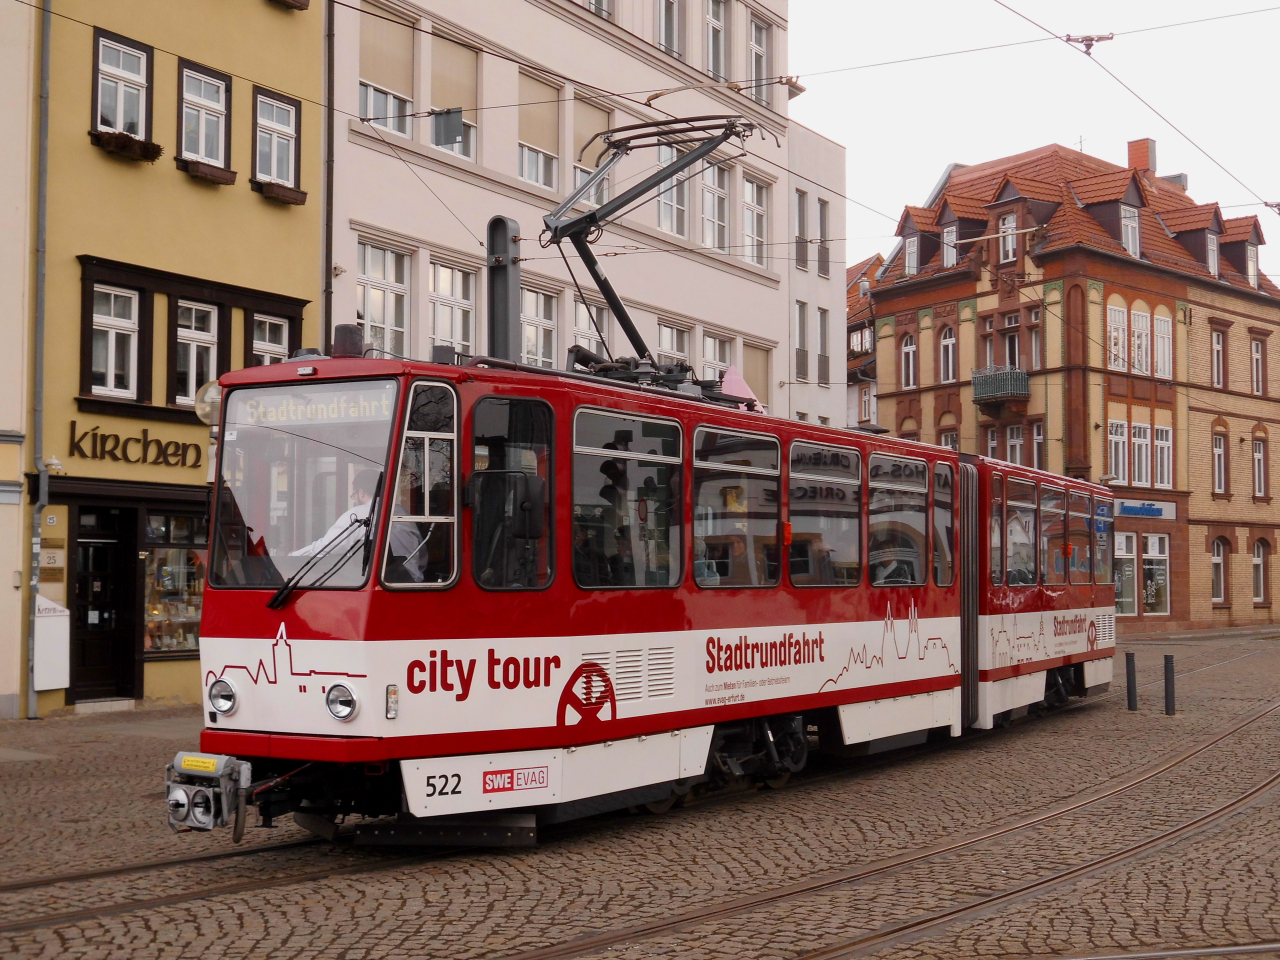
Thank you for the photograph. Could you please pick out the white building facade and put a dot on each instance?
(709, 270)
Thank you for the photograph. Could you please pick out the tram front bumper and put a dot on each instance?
(207, 790)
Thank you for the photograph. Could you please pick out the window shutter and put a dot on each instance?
(588, 120)
(539, 115)
(386, 51)
(755, 370)
(453, 77)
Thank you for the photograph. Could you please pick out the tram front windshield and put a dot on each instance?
(301, 466)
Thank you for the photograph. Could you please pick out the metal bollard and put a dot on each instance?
(1169, 709)
(1131, 680)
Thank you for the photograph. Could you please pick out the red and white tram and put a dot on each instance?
(444, 590)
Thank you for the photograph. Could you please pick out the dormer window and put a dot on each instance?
(1251, 264)
(1129, 230)
(1008, 238)
(948, 247)
(1211, 250)
(912, 264)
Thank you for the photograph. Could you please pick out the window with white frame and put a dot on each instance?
(1118, 450)
(601, 8)
(1126, 573)
(1155, 573)
(824, 421)
(539, 131)
(716, 31)
(1140, 438)
(1129, 230)
(1219, 463)
(758, 60)
(993, 443)
(949, 246)
(1036, 348)
(802, 215)
(194, 364)
(538, 325)
(1259, 468)
(1037, 445)
(122, 89)
(1140, 359)
(1251, 264)
(1117, 338)
(717, 356)
(802, 416)
(1260, 571)
(591, 326)
(673, 196)
(204, 116)
(824, 356)
(864, 399)
(949, 439)
(1218, 578)
(1013, 444)
(1163, 457)
(115, 342)
(385, 109)
(453, 298)
(947, 356)
(669, 26)
(1008, 238)
(1211, 252)
(277, 132)
(1164, 347)
(754, 204)
(1257, 366)
(824, 235)
(911, 257)
(802, 340)
(382, 297)
(673, 345)
(1012, 353)
(715, 208)
(910, 365)
(1218, 358)
(270, 340)
(454, 86)
(537, 167)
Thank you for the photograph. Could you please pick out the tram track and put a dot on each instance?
(581, 946)
(682, 922)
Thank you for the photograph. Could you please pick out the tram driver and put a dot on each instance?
(345, 529)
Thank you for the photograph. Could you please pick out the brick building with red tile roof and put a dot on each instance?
(1053, 309)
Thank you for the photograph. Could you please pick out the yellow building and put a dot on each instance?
(185, 231)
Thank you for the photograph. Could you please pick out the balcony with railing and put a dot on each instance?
(802, 364)
(824, 368)
(824, 260)
(802, 253)
(1001, 392)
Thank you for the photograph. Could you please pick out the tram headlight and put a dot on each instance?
(222, 696)
(179, 803)
(341, 701)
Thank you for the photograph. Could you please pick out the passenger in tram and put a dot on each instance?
(590, 565)
(704, 570)
(740, 567)
(344, 529)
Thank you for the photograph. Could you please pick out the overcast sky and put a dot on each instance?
(903, 124)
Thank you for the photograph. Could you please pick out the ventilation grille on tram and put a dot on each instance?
(639, 674)
(1106, 629)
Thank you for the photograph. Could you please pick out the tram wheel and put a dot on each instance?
(777, 783)
(661, 806)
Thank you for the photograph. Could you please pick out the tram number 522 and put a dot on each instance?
(444, 785)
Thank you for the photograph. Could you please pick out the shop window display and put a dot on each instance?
(176, 551)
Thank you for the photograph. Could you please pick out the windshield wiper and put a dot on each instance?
(279, 598)
(368, 534)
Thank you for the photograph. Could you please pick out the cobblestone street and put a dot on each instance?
(887, 837)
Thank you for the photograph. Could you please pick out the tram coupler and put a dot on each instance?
(469, 830)
(207, 790)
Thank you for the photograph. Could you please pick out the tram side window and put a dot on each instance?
(510, 493)
(1102, 541)
(420, 541)
(826, 516)
(944, 525)
(1053, 535)
(1080, 560)
(995, 529)
(897, 521)
(735, 509)
(627, 516)
(1020, 525)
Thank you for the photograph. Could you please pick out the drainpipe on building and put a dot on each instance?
(37, 407)
(326, 322)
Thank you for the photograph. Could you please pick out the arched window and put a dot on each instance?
(1218, 565)
(1260, 551)
(947, 356)
(909, 367)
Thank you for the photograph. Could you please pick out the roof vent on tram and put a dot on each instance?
(348, 340)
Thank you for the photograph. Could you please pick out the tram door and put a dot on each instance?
(970, 579)
(102, 628)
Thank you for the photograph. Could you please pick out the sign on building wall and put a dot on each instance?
(1147, 509)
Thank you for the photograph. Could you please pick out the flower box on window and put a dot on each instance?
(126, 146)
(279, 192)
(207, 171)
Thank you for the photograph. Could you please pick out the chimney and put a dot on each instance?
(1142, 155)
